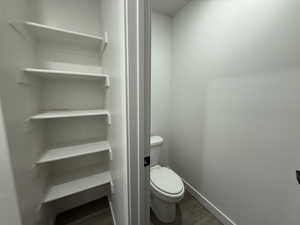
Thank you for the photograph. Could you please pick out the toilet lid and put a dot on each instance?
(166, 180)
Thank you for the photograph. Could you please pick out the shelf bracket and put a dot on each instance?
(110, 154)
(17, 27)
(108, 118)
(112, 187)
(23, 79)
(34, 165)
(107, 81)
(38, 213)
(104, 44)
(39, 207)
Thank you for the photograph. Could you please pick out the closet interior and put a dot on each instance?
(66, 105)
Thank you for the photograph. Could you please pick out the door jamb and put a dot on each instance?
(138, 61)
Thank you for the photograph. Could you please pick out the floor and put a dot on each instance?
(94, 213)
(190, 212)
(102, 219)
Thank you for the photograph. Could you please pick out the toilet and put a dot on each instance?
(166, 187)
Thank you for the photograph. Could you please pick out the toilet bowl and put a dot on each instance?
(166, 187)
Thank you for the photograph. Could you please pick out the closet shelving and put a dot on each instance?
(75, 186)
(48, 73)
(55, 34)
(46, 32)
(56, 154)
(71, 113)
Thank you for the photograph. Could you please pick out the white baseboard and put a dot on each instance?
(208, 205)
(112, 213)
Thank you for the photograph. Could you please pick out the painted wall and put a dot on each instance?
(9, 210)
(19, 101)
(235, 108)
(114, 60)
(160, 78)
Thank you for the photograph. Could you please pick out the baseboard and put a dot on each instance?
(112, 213)
(208, 205)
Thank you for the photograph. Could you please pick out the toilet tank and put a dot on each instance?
(156, 143)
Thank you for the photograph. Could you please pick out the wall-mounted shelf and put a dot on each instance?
(70, 113)
(74, 151)
(72, 187)
(66, 59)
(67, 74)
(50, 33)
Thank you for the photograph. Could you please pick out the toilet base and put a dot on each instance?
(164, 211)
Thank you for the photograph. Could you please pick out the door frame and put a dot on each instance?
(138, 62)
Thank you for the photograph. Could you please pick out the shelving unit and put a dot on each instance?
(67, 74)
(46, 32)
(66, 54)
(56, 154)
(72, 187)
(71, 113)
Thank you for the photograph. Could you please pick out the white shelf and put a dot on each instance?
(67, 74)
(74, 151)
(70, 113)
(76, 186)
(45, 32)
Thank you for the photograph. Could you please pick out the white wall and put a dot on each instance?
(9, 210)
(19, 102)
(113, 18)
(235, 106)
(160, 78)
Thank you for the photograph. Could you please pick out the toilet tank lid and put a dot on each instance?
(156, 140)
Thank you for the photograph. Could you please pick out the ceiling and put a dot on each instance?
(169, 7)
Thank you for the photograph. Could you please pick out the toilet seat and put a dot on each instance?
(166, 183)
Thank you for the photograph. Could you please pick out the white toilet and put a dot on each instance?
(166, 186)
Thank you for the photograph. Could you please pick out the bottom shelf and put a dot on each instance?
(76, 186)
(88, 213)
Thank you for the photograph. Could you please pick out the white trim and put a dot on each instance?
(112, 213)
(209, 205)
(138, 67)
